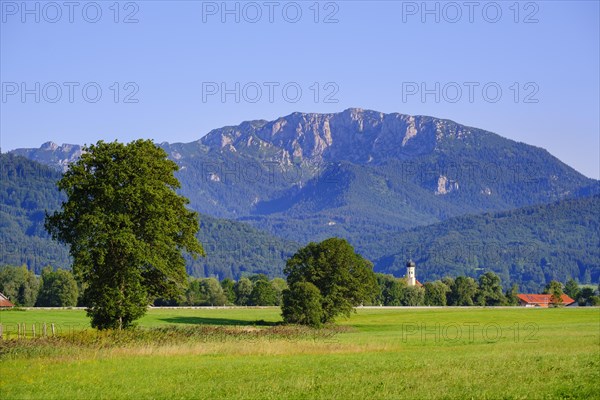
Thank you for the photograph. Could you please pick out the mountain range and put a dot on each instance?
(370, 177)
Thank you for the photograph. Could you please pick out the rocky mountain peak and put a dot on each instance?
(52, 154)
(49, 146)
(354, 134)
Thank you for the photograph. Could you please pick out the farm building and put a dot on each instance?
(4, 302)
(541, 300)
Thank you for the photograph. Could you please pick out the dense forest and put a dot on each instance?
(529, 246)
(28, 190)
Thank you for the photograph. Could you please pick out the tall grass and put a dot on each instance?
(383, 354)
(168, 335)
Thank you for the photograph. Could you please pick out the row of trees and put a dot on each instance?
(466, 291)
(52, 289)
(59, 289)
(255, 290)
(585, 296)
(459, 291)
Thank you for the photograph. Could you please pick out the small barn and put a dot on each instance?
(541, 300)
(4, 302)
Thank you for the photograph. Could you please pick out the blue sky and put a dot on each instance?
(528, 71)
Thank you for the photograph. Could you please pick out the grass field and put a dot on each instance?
(384, 353)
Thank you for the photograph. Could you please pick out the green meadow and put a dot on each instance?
(377, 353)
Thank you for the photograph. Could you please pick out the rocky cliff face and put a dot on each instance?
(52, 154)
(358, 174)
(355, 135)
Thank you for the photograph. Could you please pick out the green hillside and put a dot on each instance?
(529, 246)
(27, 190)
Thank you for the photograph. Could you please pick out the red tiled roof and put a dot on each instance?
(417, 283)
(4, 302)
(543, 299)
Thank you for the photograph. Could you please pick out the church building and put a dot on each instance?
(411, 277)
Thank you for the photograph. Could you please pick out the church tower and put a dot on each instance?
(411, 278)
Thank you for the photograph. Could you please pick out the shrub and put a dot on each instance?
(302, 305)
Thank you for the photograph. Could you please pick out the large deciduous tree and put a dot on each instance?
(19, 284)
(58, 289)
(126, 228)
(279, 285)
(303, 304)
(462, 291)
(435, 293)
(586, 297)
(344, 280)
(263, 294)
(572, 289)
(391, 290)
(243, 290)
(228, 286)
(511, 295)
(205, 292)
(413, 296)
(490, 292)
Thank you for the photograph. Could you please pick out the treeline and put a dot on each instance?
(459, 291)
(51, 289)
(255, 290)
(58, 288)
(466, 291)
(585, 296)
